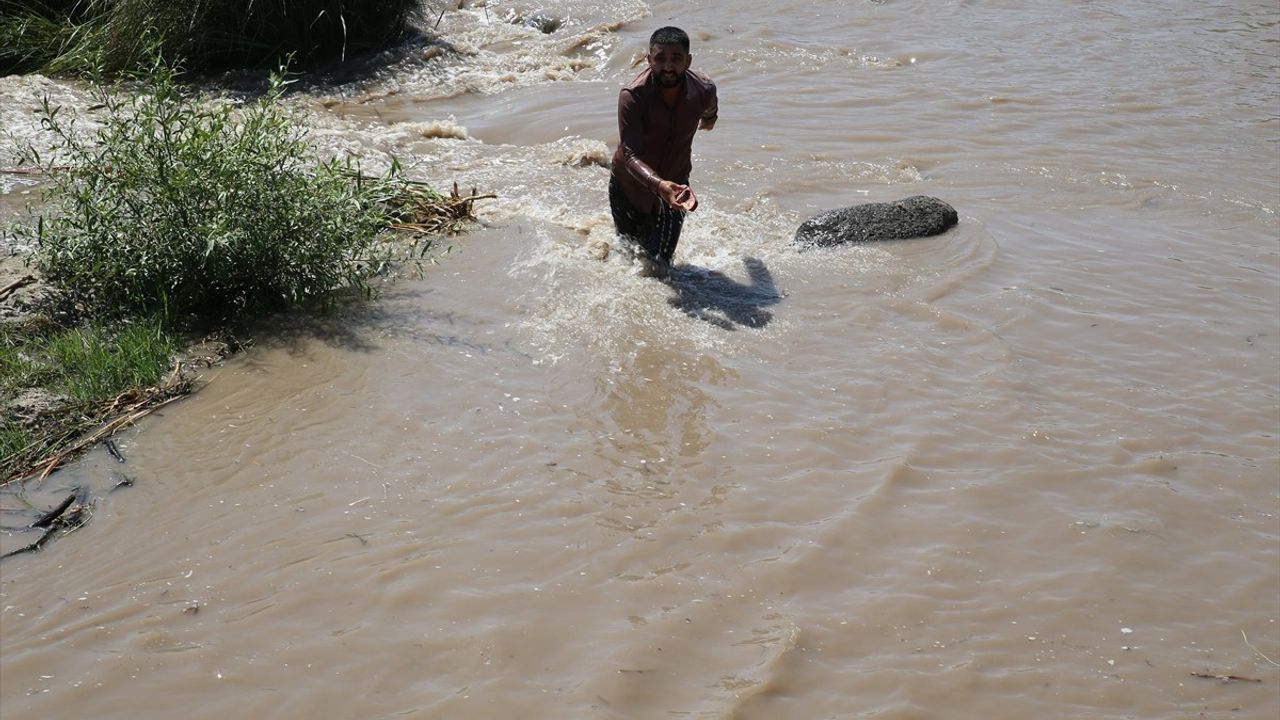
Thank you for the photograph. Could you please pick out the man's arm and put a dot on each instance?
(711, 111)
(631, 138)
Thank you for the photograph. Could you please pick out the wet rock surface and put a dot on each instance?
(542, 21)
(913, 217)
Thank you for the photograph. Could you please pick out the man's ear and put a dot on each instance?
(688, 60)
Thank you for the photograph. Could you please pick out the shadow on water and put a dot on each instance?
(716, 298)
(403, 315)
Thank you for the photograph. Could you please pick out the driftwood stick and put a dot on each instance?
(52, 463)
(33, 546)
(1251, 647)
(47, 519)
(1225, 678)
(20, 282)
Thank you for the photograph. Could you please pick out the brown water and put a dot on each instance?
(1027, 469)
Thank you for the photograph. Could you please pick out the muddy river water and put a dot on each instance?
(1025, 469)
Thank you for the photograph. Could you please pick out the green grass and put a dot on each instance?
(93, 36)
(83, 369)
(87, 364)
(14, 442)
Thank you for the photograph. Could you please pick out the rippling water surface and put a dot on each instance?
(1026, 469)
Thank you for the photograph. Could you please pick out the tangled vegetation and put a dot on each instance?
(83, 376)
(87, 36)
(174, 217)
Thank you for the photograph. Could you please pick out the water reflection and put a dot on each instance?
(654, 431)
(658, 406)
(716, 298)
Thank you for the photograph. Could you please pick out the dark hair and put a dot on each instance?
(670, 36)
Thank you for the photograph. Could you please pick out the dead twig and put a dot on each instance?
(20, 282)
(70, 515)
(1225, 678)
(47, 519)
(115, 452)
(30, 171)
(418, 207)
(132, 406)
(33, 546)
(105, 431)
(1251, 647)
(425, 211)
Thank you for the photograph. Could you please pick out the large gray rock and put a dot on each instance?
(913, 217)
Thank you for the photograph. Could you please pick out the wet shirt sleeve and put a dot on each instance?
(631, 134)
(711, 104)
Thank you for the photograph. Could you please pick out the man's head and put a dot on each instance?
(669, 56)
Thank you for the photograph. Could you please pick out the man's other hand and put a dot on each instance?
(678, 196)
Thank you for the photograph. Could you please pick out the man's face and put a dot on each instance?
(667, 63)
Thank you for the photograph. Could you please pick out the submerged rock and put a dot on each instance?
(913, 217)
(542, 21)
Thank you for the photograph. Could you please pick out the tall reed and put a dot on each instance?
(117, 35)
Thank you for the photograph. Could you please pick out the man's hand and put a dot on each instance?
(678, 196)
(707, 123)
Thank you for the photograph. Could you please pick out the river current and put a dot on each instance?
(1025, 469)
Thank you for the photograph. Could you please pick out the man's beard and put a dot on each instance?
(669, 81)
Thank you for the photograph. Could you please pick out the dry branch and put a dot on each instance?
(428, 212)
(126, 409)
(1225, 678)
(20, 282)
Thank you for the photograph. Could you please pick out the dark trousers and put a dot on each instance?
(657, 233)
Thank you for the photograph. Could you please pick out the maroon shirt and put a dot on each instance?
(656, 140)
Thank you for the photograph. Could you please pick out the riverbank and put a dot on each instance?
(69, 384)
(122, 280)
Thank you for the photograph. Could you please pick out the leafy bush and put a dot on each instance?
(200, 211)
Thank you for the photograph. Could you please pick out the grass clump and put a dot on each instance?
(201, 212)
(86, 36)
(15, 440)
(50, 35)
(83, 373)
(85, 364)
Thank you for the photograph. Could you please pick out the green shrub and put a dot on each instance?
(198, 211)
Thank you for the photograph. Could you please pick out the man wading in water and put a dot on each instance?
(658, 113)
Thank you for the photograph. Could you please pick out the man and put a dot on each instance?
(658, 113)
